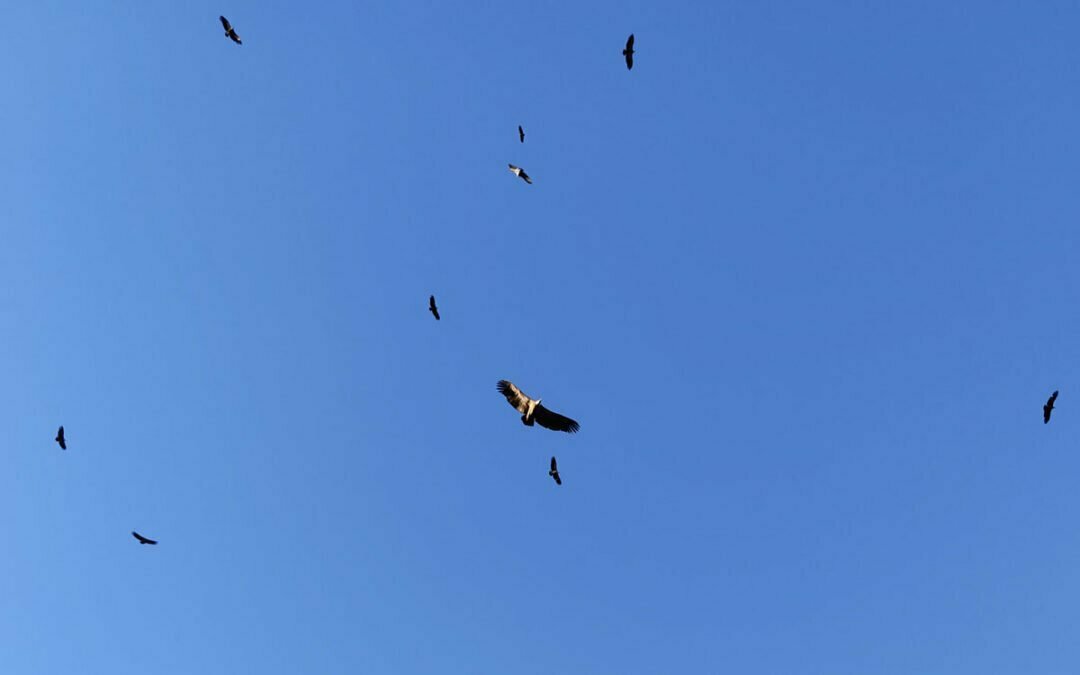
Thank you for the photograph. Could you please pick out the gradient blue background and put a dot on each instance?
(806, 276)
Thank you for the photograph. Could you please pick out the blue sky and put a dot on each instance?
(805, 276)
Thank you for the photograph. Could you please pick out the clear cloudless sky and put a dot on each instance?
(806, 276)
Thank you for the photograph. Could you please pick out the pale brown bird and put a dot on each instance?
(533, 412)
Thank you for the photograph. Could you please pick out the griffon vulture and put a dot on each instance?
(1047, 409)
(229, 32)
(142, 539)
(532, 411)
(60, 438)
(554, 472)
(432, 308)
(520, 173)
(521, 134)
(629, 52)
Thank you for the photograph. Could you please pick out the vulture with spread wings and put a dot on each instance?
(432, 308)
(1049, 407)
(142, 539)
(521, 134)
(229, 31)
(60, 438)
(532, 412)
(629, 52)
(520, 173)
(554, 472)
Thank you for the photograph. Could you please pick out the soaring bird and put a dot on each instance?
(60, 438)
(1047, 409)
(229, 32)
(432, 308)
(142, 539)
(532, 411)
(521, 133)
(629, 52)
(520, 173)
(554, 472)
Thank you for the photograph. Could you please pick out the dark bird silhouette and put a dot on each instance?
(229, 32)
(60, 438)
(432, 308)
(521, 133)
(531, 410)
(520, 173)
(142, 539)
(629, 52)
(1047, 409)
(554, 472)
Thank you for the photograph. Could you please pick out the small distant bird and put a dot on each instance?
(1047, 409)
(520, 173)
(229, 32)
(554, 472)
(60, 438)
(432, 308)
(532, 411)
(521, 133)
(142, 539)
(629, 52)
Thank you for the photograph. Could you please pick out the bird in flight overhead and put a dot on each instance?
(531, 410)
(521, 133)
(60, 438)
(1047, 409)
(520, 173)
(432, 308)
(554, 472)
(229, 32)
(629, 52)
(142, 539)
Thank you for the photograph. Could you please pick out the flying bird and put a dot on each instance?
(1047, 409)
(60, 438)
(521, 133)
(554, 472)
(432, 308)
(520, 173)
(142, 539)
(229, 32)
(532, 411)
(629, 52)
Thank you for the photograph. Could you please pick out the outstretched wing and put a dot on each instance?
(517, 398)
(225, 24)
(142, 539)
(525, 176)
(554, 421)
(630, 43)
(558, 480)
(554, 466)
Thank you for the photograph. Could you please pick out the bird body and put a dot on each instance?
(60, 438)
(432, 308)
(629, 52)
(532, 412)
(142, 539)
(520, 173)
(229, 31)
(554, 472)
(1049, 407)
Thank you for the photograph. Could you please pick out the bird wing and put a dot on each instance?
(435, 311)
(521, 133)
(554, 466)
(517, 398)
(515, 169)
(629, 60)
(225, 24)
(431, 302)
(554, 421)
(525, 176)
(235, 37)
(630, 42)
(1053, 397)
(558, 481)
